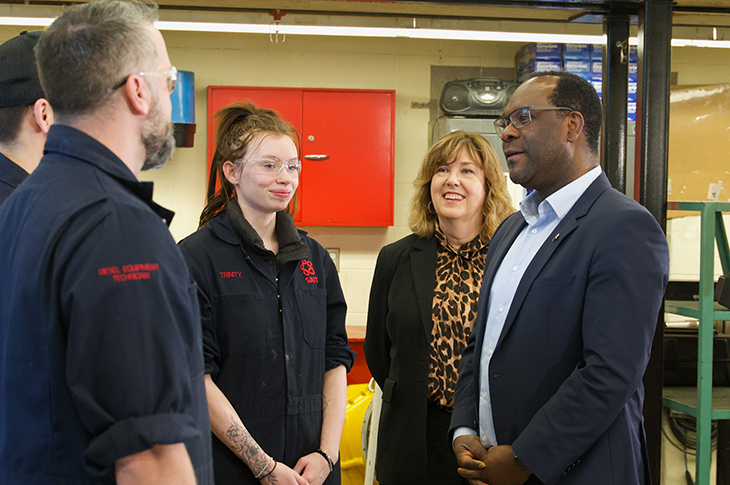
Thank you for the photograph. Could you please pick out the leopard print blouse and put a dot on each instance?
(459, 273)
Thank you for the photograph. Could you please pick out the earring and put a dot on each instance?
(430, 207)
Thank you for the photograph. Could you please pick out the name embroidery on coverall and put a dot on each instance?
(129, 272)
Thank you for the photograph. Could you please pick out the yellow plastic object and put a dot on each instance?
(352, 444)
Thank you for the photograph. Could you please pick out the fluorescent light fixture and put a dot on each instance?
(387, 32)
(717, 44)
(214, 27)
(26, 21)
(383, 32)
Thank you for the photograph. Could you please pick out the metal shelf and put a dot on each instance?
(692, 309)
(704, 402)
(684, 399)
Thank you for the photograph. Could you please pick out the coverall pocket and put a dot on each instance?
(313, 312)
(242, 327)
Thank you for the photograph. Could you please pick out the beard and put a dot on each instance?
(157, 137)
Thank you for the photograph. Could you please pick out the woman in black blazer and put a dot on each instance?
(423, 302)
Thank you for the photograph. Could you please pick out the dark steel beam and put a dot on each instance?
(652, 146)
(723, 452)
(615, 96)
(652, 116)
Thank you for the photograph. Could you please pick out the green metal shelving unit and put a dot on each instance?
(704, 402)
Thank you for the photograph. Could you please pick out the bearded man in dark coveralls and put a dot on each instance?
(101, 369)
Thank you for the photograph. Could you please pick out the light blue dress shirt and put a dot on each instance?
(542, 219)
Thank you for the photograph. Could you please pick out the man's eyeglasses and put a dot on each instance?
(272, 166)
(171, 75)
(521, 117)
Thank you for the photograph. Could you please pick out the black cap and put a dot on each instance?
(19, 83)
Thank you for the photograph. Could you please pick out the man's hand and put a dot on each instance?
(499, 468)
(470, 454)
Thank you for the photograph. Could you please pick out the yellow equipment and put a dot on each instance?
(353, 445)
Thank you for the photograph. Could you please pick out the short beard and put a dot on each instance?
(158, 147)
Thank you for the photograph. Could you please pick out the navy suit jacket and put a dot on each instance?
(566, 375)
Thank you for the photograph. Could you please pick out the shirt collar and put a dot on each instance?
(10, 172)
(560, 201)
(70, 142)
(291, 246)
(467, 250)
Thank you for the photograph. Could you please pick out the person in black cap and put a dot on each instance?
(25, 114)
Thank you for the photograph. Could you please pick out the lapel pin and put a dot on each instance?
(556, 237)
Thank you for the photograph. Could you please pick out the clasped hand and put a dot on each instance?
(481, 466)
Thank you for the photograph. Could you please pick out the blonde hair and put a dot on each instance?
(497, 204)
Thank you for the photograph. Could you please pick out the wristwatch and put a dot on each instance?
(521, 464)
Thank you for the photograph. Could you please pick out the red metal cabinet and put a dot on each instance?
(353, 186)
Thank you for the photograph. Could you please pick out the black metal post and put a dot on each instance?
(652, 116)
(615, 96)
(723, 452)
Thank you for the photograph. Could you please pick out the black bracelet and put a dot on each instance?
(270, 471)
(326, 457)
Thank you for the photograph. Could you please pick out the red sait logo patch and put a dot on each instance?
(308, 271)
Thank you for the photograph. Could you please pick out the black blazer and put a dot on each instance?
(565, 376)
(396, 348)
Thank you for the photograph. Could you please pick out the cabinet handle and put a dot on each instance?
(316, 158)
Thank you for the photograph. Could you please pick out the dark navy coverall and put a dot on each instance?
(100, 340)
(11, 174)
(269, 338)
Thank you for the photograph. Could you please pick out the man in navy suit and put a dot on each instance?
(550, 388)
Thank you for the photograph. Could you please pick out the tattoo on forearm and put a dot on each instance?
(325, 404)
(246, 447)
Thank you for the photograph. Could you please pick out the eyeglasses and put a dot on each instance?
(171, 75)
(272, 166)
(521, 117)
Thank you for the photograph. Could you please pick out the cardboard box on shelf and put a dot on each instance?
(537, 57)
(577, 52)
(579, 68)
(598, 86)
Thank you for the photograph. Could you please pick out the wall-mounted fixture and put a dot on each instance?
(183, 109)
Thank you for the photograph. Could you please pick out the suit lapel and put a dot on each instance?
(423, 269)
(551, 244)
